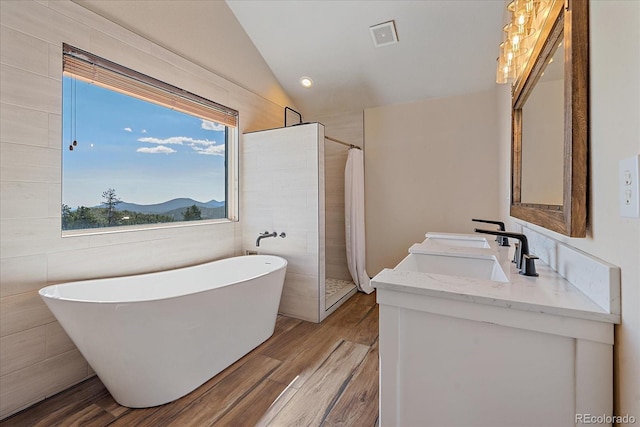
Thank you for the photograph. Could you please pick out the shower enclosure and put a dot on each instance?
(293, 183)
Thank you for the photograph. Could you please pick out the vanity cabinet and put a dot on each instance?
(455, 363)
(458, 351)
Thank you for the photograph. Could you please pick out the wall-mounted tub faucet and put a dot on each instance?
(265, 235)
(525, 262)
(502, 241)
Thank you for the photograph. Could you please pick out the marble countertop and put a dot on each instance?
(547, 293)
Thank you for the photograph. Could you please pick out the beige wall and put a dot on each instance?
(36, 357)
(615, 135)
(429, 166)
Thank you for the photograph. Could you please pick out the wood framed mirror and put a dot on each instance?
(554, 200)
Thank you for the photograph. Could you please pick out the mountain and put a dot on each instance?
(170, 205)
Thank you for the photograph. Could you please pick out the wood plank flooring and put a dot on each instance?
(306, 374)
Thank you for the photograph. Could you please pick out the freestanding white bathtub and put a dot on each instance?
(153, 338)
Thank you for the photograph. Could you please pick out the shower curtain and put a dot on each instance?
(354, 219)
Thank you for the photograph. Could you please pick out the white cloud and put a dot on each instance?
(180, 140)
(143, 131)
(211, 150)
(208, 125)
(155, 150)
(128, 129)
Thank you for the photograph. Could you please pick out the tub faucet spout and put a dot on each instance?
(264, 236)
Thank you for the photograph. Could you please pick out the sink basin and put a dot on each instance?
(453, 240)
(479, 268)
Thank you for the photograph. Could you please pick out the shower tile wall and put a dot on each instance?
(281, 184)
(347, 127)
(37, 359)
(336, 250)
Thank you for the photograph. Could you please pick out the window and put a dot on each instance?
(139, 151)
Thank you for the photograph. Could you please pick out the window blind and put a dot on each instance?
(99, 71)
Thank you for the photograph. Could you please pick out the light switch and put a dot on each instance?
(629, 187)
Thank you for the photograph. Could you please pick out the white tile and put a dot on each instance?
(126, 254)
(55, 131)
(55, 62)
(24, 200)
(57, 340)
(24, 237)
(64, 370)
(596, 278)
(35, 382)
(109, 261)
(29, 163)
(55, 207)
(42, 22)
(22, 349)
(98, 23)
(22, 274)
(30, 90)
(23, 51)
(300, 297)
(24, 125)
(21, 312)
(257, 182)
(22, 387)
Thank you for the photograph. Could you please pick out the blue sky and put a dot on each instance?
(147, 153)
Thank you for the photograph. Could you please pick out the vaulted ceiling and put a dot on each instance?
(446, 47)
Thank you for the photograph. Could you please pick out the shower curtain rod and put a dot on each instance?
(341, 142)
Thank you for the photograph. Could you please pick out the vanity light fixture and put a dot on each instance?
(306, 81)
(520, 36)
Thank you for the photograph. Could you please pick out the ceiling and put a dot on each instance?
(446, 47)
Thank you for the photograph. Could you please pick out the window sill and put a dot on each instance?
(142, 227)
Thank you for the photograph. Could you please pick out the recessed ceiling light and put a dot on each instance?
(306, 81)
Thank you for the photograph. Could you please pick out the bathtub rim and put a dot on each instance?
(43, 291)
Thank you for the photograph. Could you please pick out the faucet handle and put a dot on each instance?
(529, 265)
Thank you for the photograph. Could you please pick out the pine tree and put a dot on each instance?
(193, 213)
(110, 203)
(66, 217)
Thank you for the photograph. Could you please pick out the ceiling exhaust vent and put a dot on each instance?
(384, 34)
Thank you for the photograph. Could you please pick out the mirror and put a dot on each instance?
(550, 127)
(543, 137)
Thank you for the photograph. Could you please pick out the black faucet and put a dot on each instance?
(502, 240)
(528, 267)
(265, 235)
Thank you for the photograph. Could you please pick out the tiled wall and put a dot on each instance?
(282, 190)
(37, 358)
(335, 160)
(346, 127)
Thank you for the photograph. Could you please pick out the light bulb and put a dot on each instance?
(306, 81)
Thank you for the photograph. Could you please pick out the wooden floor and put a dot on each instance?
(306, 374)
